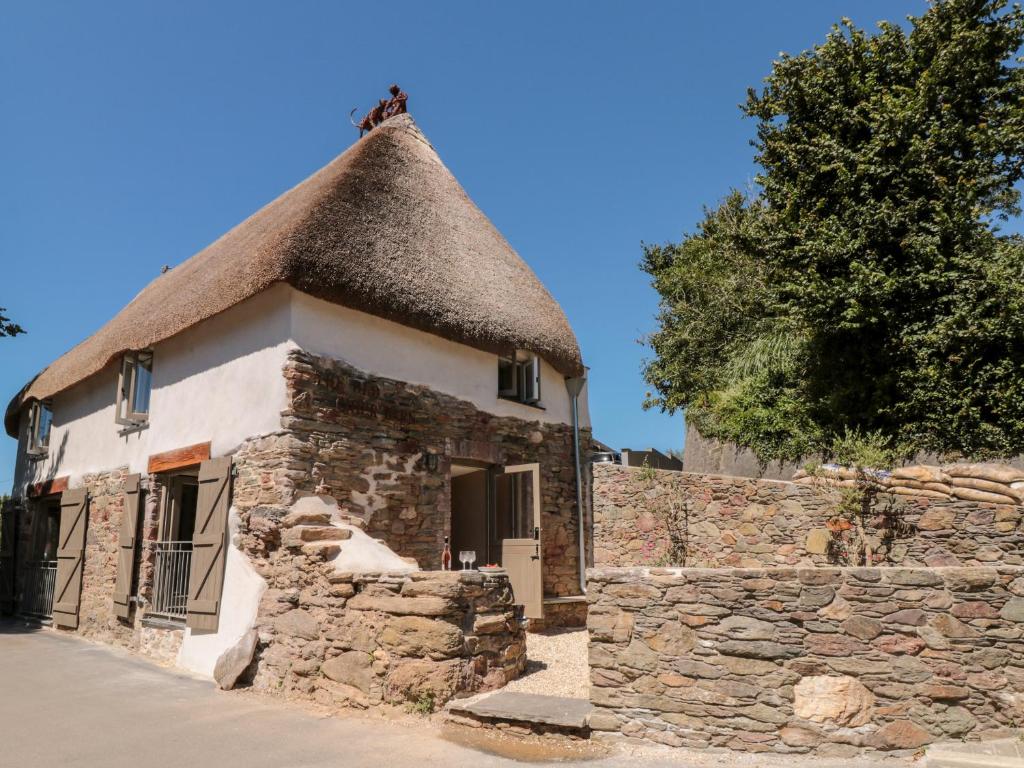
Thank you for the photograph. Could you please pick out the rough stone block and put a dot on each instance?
(419, 636)
(350, 668)
(297, 623)
(841, 700)
(402, 606)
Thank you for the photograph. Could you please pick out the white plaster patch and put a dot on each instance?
(239, 604)
(371, 502)
(359, 553)
(363, 554)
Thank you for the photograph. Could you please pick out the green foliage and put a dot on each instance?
(7, 328)
(866, 285)
(870, 451)
(646, 471)
(423, 705)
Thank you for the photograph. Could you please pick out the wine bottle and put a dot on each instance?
(446, 556)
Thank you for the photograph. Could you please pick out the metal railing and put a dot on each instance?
(37, 590)
(170, 579)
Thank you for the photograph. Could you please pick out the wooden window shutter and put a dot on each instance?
(206, 578)
(70, 557)
(126, 547)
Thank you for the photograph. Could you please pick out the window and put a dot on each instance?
(40, 419)
(519, 378)
(133, 387)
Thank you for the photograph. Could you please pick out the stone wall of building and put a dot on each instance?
(96, 619)
(368, 441)
(645, 517)
(360, 640)
(105, 510)
(833, 661)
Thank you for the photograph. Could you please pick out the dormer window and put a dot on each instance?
(40, 418)
(519, 377)
(133, 387)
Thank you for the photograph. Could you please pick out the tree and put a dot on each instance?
(865, 287)
(7, 328)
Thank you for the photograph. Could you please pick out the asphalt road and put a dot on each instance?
(66, 702)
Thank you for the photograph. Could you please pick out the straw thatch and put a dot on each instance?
(384, 228)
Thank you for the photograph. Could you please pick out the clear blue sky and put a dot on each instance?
(135, 133)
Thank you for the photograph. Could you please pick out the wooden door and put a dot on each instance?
(70, 557)
(521, 556)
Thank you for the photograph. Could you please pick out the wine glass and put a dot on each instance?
(463, 558)
(471, 557)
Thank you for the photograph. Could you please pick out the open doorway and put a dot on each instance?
(496, 515)
(173, 560)
(490, 504)
(471, 503)
(40, 567)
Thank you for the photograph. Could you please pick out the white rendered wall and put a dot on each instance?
(239, 605)
(218, 381)
(395, 351)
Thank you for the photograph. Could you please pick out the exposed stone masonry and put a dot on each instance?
(362, 640)
(365, 440)
(96, 617)
(835, 661)
(742, 522)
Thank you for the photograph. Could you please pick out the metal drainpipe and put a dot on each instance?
(575, 387)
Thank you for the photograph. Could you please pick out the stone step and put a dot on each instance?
(304, 534)
(525, 709)
(303, 517)
(322, 550)
(1000, 753)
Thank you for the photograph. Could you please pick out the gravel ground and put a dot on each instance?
(556, 664)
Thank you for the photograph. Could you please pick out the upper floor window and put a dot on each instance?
(40, 418)
(133, 388)
(519, 377)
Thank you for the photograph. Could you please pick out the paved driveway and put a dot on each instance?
(65, 702)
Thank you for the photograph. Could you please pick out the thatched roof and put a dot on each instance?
(384, 228)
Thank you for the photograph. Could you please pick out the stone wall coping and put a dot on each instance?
(624, 572)
(684, 473)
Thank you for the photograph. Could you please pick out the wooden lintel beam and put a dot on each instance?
(179, 458)
(48, 487)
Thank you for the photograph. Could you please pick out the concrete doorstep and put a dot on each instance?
(1001, 753)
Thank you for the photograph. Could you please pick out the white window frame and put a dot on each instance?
(37, 445)
(526, 377)
(127, 380)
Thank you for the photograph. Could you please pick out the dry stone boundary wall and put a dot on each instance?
(833, 661)
(741, 522)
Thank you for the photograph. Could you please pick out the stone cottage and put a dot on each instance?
(368, 340)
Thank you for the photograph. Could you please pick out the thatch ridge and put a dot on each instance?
(383, 228)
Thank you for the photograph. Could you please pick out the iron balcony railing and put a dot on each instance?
(170, 579)
(37, 590)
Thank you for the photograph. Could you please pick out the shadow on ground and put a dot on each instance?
(15, 626)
